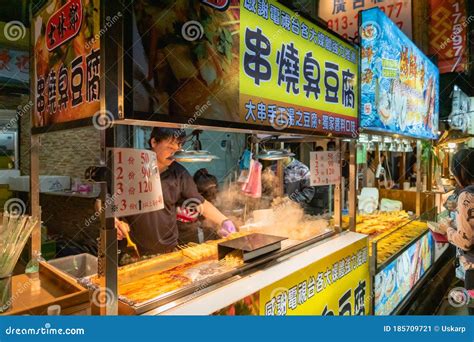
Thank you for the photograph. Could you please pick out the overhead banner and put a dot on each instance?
(252, 63)
(448, 30)
(293, 73)
(66, 78)
(399, 84)
(342, 16)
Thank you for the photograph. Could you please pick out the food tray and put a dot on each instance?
(31, 298)
(250, 246)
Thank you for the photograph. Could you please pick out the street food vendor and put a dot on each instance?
(157, 232)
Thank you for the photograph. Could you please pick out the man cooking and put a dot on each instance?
(157, 232)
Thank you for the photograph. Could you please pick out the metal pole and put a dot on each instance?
(352, 184)
(35, 209)
(34, 194)
(111, 105)
(419, 182)
(337, 193)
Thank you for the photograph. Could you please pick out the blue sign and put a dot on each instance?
(397, 279)
(399, 84)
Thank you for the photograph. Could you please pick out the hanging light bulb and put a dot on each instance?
(400, 147)
(371, 147)
(393, 147)
(382, 146)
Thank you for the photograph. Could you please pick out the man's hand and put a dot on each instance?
(122, 229)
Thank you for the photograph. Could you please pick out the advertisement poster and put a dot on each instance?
(187, 58)
(137, 184)
(66, 78)
(336, 285)
(399, 85)
(397, 279)
(251, 62)
(325, 168)
(448, 29)
(14, 68)
(342, 16)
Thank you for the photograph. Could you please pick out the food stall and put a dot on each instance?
(399, 119)
(261, 71)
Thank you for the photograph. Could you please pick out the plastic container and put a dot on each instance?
(76, 266)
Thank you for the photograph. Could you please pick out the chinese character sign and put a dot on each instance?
(66, 80)
(325, 168)
(342, 16)
(294, 74)
(338, 284)
(136, 182)
(448, 34)
(399, 84)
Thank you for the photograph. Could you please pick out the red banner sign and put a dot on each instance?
(64, 24)
(448, 34)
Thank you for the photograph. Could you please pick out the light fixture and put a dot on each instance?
(274, 154)
(371, 147)
(451, 145)
(408, 147)
(400, 147)
(363, 138)
(393, 147)
(195, 154)
(382, 146)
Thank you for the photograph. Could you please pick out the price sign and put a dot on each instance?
(136, 183)
(325, 168)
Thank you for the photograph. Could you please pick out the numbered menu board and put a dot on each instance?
(136, 182)
(325, 168)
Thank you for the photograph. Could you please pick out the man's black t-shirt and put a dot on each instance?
(157, 232)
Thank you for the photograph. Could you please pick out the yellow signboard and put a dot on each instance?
(294, 74)
(338, 284)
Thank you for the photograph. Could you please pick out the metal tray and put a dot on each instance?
(250, 246)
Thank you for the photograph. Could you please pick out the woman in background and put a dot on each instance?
(462, 168)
